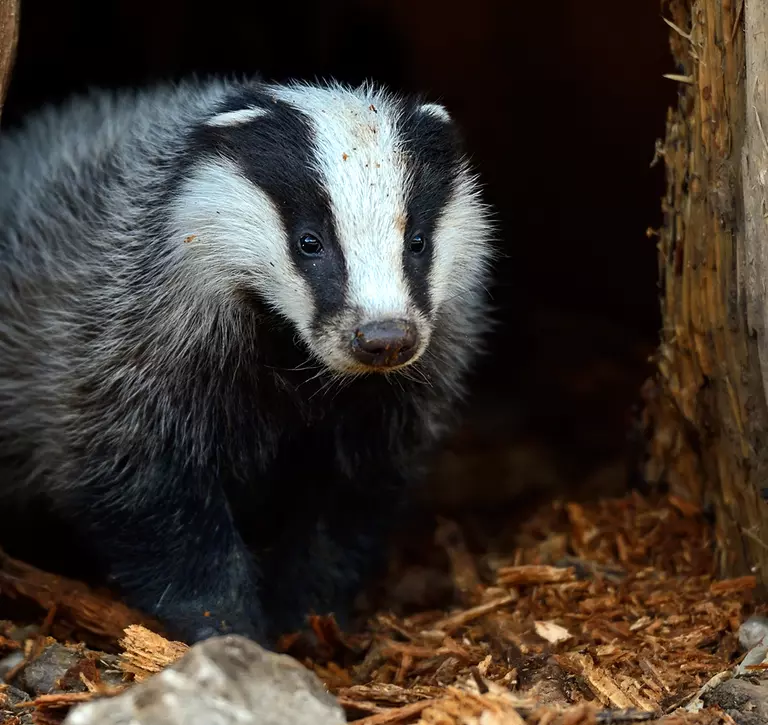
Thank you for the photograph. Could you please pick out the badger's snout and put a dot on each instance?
(385, 344)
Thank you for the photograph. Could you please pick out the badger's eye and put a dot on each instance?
(417, 244)
(310, 245)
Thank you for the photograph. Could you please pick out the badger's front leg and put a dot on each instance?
(165, 536)
(320, 568)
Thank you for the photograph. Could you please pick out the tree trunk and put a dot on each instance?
(707, 410)
(9, 35)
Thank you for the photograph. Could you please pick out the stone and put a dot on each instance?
(220, 681)
(745, 701)
(753, 632)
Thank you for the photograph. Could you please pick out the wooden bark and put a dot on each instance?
(9, 35)
(753, 271)
(708, 409)
(96, 618)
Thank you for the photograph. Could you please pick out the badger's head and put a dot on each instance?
(353, 213)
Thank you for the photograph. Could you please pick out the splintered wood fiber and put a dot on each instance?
(706, 409)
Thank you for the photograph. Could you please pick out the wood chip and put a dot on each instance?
(533, 574)
(58, 700)
(603, 685)
(396, 715)
(146, 652)
(552, 632)
(453, 622)
(729, 586)
(463, 566)
(77, 606)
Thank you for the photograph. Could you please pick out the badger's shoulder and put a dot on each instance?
(90, 131)
(86, 179)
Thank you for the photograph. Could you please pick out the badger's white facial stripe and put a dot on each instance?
(360, 164)
(237, 233)
(462, 252)
(235, 118)
(435, 110)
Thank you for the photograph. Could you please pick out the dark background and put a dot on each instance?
(561, 103)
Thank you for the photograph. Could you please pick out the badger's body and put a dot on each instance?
(234, 318)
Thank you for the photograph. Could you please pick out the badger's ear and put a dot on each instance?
(435, 110)
(238, 117)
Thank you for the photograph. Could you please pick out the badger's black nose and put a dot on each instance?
(385, 344)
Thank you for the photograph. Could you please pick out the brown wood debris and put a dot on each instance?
(79, 611)
(533, 574)
(145, 652)
(601, 613)
(9, 36)
(705, 409)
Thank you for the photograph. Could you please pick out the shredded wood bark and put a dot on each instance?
(602, 613)
(79, 610)
(145, 652)
(608, 612)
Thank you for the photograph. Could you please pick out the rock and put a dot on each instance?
(221, 681)
(745, 701)
(9, 698)
(755, 657)
(58, 668)
(753, 631)
(41, 675)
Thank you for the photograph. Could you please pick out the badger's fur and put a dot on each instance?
(234, 318)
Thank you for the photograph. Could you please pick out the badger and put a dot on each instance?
(237, 317)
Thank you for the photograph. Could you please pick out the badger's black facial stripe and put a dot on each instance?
(433, 150)
(274, 151)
